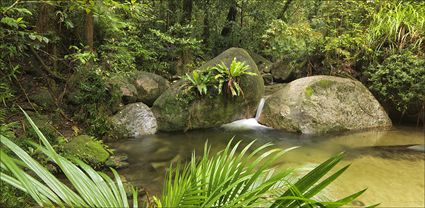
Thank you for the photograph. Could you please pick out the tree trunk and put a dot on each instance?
(187, 12)
(284, 9)
(230, 20)
(206, 28)
(47, 23)
(89, 30)
(172, 10)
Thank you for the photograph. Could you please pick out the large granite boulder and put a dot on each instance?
(176, 111)
(323, 104)
(149, 86)
(136, 120)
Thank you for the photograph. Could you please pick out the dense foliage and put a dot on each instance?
(95, 40)
(58, 57)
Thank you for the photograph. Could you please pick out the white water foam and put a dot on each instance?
(250, 123)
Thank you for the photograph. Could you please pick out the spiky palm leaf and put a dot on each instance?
(93, 189)
(228, 179)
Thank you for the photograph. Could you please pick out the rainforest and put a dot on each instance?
(212, 103)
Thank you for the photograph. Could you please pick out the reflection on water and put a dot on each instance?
(382, 161)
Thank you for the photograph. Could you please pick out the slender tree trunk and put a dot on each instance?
(171, 13)
(284, 10)
(242, 10)
(46, 22)
(89, 30)
(230, 20)
(206, 28)
(187, 12)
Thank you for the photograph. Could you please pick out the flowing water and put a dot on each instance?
(384, 161)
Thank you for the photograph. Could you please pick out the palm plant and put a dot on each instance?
(228, 179)
(231, 76)
(93, 189)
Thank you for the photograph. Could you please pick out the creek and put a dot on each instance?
(390, 163)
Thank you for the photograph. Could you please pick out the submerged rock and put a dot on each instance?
(149, 86)
(117, 161)
(323, 104)
(176, 111)
(136, 119)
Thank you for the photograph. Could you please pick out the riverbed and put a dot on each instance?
(390, 163)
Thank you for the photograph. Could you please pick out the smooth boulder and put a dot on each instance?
(149, 86)
(176, 111)
(323, 104)
(136, 120)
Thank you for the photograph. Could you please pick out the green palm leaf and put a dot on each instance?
(95, 189)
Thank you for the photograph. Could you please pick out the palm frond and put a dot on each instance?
(94, 189)
(231, 179)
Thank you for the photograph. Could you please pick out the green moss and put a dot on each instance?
(87, 149)
(308, 91)
(324, 83)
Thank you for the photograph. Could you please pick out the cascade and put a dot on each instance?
(260, 109)
(250, 123)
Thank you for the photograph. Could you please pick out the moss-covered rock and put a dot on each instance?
(149, 86)
(87, 149)
(176, 109)
(323, 104)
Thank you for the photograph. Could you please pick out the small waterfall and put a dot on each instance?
(260, 108)
(250, 123)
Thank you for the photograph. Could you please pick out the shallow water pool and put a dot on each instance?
(383, 161)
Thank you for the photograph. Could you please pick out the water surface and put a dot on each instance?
(381, 160)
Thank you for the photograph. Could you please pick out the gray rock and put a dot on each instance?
(175, 111)
(149, 86)
(136, 119)
(281, 70)
(323, 104)
(123, 88)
